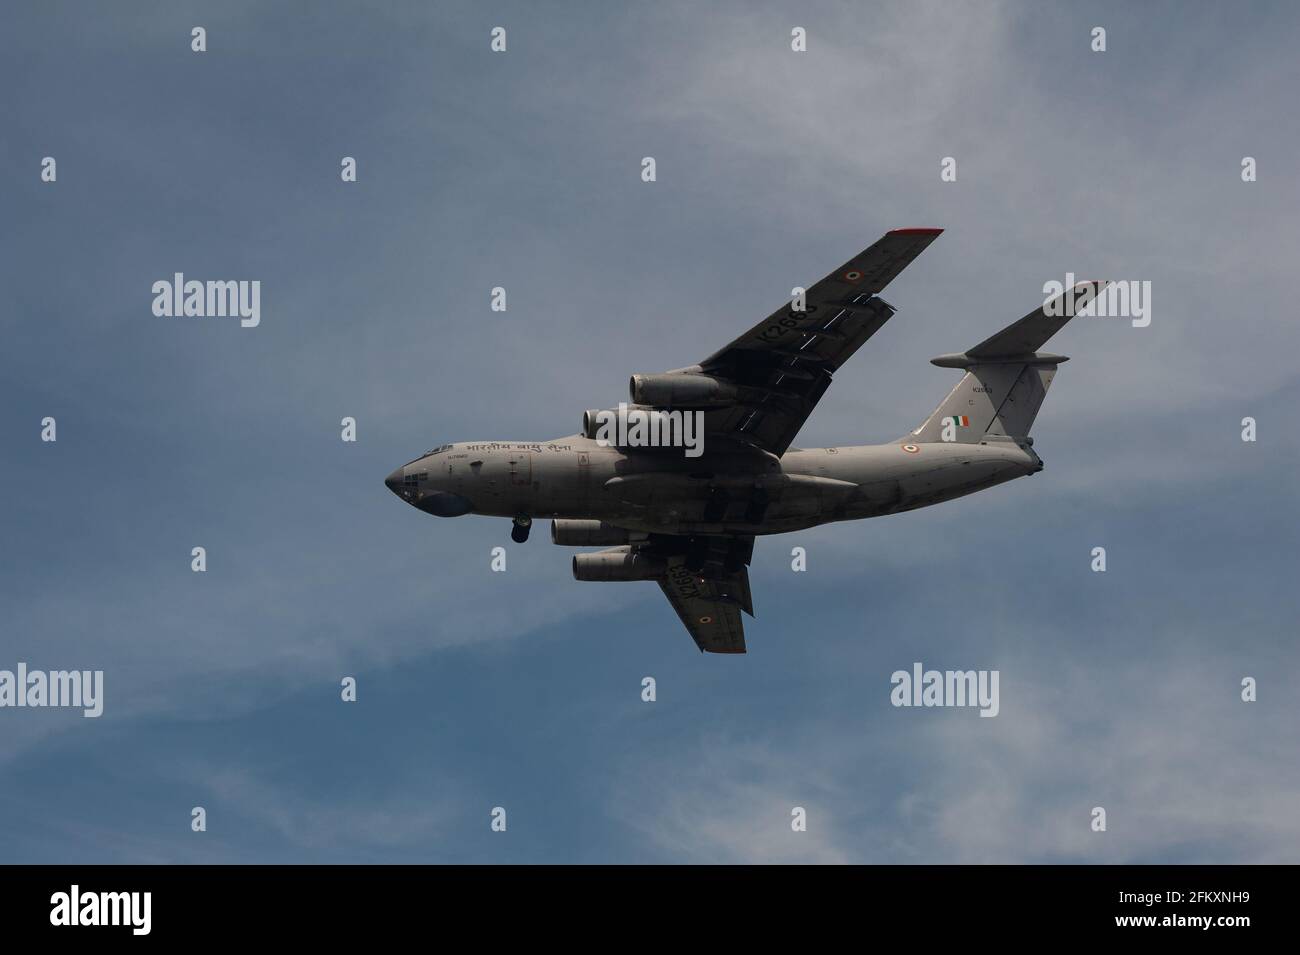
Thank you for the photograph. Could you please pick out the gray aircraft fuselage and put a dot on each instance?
(686, 514)
(660, 490)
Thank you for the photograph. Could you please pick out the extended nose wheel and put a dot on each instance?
(519, 533)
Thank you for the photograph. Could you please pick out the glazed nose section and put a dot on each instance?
(394, 481)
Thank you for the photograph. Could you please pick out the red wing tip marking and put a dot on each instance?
(915, 231)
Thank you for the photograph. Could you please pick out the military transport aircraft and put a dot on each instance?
(689, 522)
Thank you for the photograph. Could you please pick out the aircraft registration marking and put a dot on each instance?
(781, 328)
(683, 580)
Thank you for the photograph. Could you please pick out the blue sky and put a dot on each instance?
(522, 689)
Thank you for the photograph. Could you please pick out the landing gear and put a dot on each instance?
(519, 533)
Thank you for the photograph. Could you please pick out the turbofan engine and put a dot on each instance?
(586, 533)
(681, 391)
(617, 563)
(621, 420)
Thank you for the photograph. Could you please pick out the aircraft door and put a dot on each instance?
(521, 468)
(458, 471)
(584, 478)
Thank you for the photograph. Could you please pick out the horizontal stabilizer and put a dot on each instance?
(1025, 337)
(1006, 378)
(964, 360)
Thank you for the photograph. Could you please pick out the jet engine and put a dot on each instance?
(586, 533)
(617, 563)
(681, 391)
(617, 422)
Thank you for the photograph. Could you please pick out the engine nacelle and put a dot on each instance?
(586, 533)
(616, 422)
(617, 563)
(681, 391)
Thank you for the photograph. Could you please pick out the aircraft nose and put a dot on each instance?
(394, 481)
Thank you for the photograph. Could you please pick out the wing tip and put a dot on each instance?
(915, 230)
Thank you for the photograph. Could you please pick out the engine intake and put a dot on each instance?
(617, 563)
(586, 533)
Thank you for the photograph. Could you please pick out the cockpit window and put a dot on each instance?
(445, 447)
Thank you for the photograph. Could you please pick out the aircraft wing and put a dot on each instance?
(707, 582)
(709, 606)
(784, 363)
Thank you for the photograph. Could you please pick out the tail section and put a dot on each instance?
(991, 399)
(1006, 377)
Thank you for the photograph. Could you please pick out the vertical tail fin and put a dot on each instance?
(991, 399)
(1006, 376)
